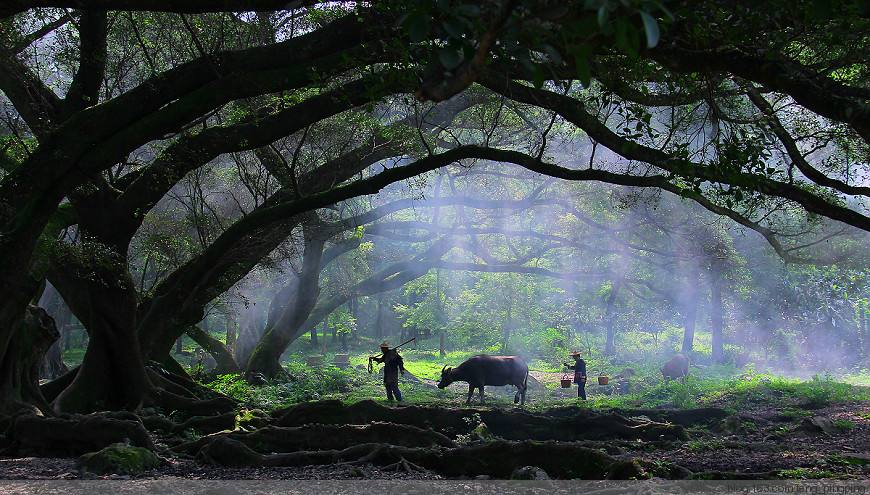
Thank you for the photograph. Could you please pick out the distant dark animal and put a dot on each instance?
(677, 367)
(483, 370)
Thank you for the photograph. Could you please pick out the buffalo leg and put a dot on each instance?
(481, 393)
(470, 393)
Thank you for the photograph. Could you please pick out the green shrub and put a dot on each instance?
(844, 425)
(805, 474)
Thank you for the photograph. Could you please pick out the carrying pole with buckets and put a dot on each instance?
(385, 346)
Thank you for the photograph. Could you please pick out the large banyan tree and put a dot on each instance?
(747, 109)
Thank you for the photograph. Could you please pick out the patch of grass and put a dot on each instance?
(844, 425)
(759, 388)
(784, 430)
(805, 474)
(795, 414)
(841, 460)
(860, 377)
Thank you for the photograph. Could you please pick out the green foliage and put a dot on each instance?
(120, 458)
(844, 425)
(805, 474)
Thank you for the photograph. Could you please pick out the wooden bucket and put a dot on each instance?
(565, 381)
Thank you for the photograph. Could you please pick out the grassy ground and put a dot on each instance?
(722, 386)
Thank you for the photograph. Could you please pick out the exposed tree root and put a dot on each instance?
(324, 437)
(158, 423)
(404, 465)
(684, 417)
(52, 389)
(202, 424)
(510, 425)
(208, 424)
(170, 401)
(159, 380)
(76, 435)
(496, 459)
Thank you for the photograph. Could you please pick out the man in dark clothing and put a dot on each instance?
(579, 368)
(393, 363)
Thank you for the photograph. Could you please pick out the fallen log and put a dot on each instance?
(510, 425)
(76, 435)
(323, 437)
(495, 459)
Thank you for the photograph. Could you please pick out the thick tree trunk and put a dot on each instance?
(230, 333)
(690, 314)
(265, 359)
(862, 328)
(225, 361)
(379, 320)
(112, 374)
(248, 336)
(610, 318)
(19, 367)
(716, 316)
(13, 309)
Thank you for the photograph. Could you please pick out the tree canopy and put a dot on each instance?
(154, 154)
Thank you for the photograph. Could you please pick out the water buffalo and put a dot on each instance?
(483, 370)
(677, 367)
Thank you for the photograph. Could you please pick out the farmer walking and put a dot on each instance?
(579, 368)
(393, 363)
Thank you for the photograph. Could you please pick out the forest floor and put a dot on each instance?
(761, 441)
(749, 425)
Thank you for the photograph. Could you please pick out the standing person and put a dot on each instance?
(579, 368)
(393, 363)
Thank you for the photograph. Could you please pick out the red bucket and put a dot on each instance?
(566, 381)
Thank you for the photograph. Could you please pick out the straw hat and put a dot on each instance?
(385, 345)
(575, 353)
